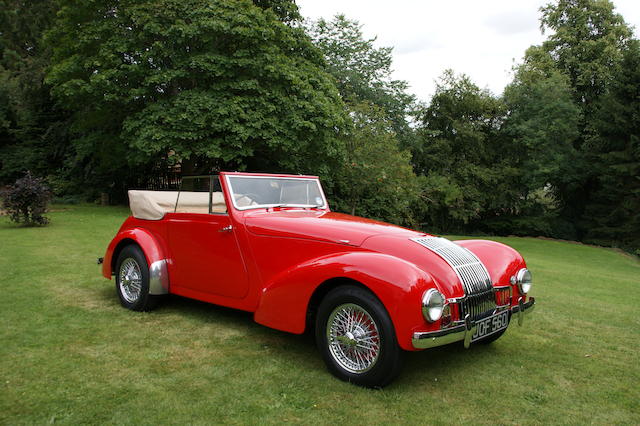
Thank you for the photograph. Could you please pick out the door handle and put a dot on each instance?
(227, 228)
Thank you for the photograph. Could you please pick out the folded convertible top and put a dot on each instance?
(152, 205)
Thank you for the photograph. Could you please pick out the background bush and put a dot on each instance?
(26, 201)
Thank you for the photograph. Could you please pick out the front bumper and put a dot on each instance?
(430, 339)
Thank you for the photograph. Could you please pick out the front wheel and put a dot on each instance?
(356, 337)
(132, 280)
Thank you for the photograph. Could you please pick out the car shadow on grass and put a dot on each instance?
(252, 332)
(441, 362)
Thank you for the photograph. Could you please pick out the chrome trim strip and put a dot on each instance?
(158, 277)
(262, 206)
(456, 333)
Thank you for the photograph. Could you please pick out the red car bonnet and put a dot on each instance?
(319, 225)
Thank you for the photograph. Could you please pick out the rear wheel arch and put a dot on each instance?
(133, 280)
(118, 249)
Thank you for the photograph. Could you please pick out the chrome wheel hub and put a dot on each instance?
(130, 278)
(353, 338)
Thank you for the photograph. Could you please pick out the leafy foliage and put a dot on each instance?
(377, 179)
(26, 201)
(586, 43)
(362, 71)
(463, 155)
(117, 91)
(542, 125)
(613, 214)
(225, 84)
(32, 127)
(286, 10)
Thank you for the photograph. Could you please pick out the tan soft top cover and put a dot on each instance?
(152, 205)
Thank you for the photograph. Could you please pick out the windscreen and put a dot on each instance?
(264, 191)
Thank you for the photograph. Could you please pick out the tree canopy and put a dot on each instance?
(218, 83)
(99, 95)
(363, 72)
(460, 152)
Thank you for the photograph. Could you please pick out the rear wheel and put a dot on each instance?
(356, 337)
(132, 280)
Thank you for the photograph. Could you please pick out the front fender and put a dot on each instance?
(154, 251)
(500, 260)
(397, 283)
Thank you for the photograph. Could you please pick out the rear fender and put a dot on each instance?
(154, 252)
(398, 284)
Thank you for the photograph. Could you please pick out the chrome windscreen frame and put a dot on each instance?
(262, 206)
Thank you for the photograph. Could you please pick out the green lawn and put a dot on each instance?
(70, 354)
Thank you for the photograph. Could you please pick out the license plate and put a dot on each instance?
(491, 325)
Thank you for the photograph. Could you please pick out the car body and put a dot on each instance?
(269, 244)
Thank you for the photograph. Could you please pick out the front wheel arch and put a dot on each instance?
(322, 290)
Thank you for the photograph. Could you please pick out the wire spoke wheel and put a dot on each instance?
(130, 280)
(353, 338)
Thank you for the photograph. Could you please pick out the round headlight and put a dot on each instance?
(523, 278)
(432, 305)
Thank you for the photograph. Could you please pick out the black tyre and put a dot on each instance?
(132, 280)
(356, 337)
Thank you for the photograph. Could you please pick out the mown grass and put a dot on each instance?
(70, 354)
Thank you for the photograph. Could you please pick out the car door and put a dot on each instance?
(205, 254)
(205, 257)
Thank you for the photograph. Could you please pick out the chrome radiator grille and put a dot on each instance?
(480, 298)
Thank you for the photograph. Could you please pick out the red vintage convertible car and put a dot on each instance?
(269, 244)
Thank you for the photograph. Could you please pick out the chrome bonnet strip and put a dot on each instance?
(471, 272)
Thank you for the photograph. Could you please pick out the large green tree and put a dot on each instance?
(463, 155)
(613, 215)
(377, 179)
(363, 72)
(543, 122)
(586, 41)
(215, 84)
(32, 128)
(541, 126)
(586, 44)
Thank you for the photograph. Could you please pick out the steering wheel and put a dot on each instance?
(252, 197)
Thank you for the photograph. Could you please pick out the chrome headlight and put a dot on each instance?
(432, 304)
(523, 279)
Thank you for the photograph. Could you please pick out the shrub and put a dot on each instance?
(26, 201)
